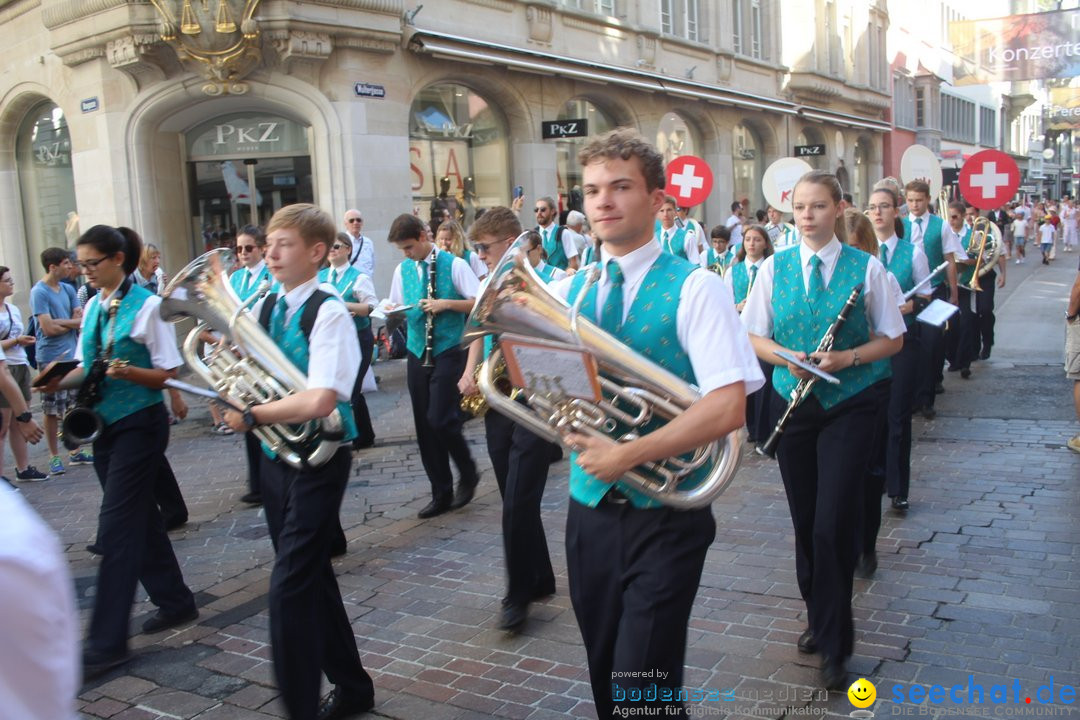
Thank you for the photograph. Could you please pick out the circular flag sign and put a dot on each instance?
(689, 180)
(989, 179)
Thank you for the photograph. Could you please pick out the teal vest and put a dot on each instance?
(740, 280)
(799, 327)
(902, 266)
(650, 329)
(931, 242)
(547, 273)
(676, 243)
(449, 326)
(119, 398)
(290, 338)
(589, 255)
(237, 282)
(553, 246)
(346, 279)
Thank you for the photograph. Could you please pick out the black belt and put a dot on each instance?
(614, 497)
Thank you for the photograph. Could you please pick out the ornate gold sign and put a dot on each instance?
(220, 38)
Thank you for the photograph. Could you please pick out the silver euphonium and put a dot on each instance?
(635, 390)
(247, 367)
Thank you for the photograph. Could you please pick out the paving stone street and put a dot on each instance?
(979, 584)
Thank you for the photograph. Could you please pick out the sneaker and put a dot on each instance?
(56, 465)
(31, 473)
(81, 457)
(223, 429)
(1074, 443)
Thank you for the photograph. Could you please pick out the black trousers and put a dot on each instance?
(984, 312)
(633, 578)
(520, 461)
(310, 633)
(436, 406)
(128, 458)
(365, 433)
(901, 404)
(253, 449)
(874, 483)
(932, 357)
(963, 334)
(823, 455)
(759, 422)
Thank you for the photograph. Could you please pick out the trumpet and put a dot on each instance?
(476, 404)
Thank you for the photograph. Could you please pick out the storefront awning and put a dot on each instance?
(456, 47)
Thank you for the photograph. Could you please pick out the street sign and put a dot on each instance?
(989, 179)
(363, 89)
(810, 150)
(689, 180)
(89, 105)
(558, 129)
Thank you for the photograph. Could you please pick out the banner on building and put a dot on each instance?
(1017, 47)
(1063, 113)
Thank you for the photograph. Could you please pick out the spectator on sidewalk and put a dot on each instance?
(13, 341)
(1072, 353)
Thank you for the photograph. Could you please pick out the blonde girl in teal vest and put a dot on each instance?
(825, 447)
(123, 331)
(451, 238)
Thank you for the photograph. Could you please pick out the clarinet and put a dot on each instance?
(429, 321)
(802, 390)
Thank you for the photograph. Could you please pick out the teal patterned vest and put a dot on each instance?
(740, 280)
(449, 326)
(650, 329)
(902, 266)
(346, 279)
(676, 244)
(799, 327)
(290, 338)
(553, 246)
(712, 258)
(964, 273)
(932, 245)
(237, 282)
(119, 398)
(547, 273)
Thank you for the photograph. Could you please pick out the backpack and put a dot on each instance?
(308, 314)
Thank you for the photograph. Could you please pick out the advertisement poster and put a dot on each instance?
(1017, 47)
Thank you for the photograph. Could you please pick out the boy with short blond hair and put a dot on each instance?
(310, 633)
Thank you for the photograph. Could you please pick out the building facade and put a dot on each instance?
(186, 119)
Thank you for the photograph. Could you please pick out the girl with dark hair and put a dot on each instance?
(825, 446)
(130, 350)
(538, 259)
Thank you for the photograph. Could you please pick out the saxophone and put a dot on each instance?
(429, 321)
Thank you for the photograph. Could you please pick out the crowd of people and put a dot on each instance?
(750, 314)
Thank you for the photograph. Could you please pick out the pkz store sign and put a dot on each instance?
(247, 134)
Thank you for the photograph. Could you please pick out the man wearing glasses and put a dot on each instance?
(559, 246)
(362, 256)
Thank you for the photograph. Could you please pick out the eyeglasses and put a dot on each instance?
(91, 264)
(245, 248)
(539, 209)
(483, 248)
(954, 217)
(352, 220)
(880, 208)
(337, 246)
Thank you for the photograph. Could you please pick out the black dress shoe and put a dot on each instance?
(464, 494)
(337, 705)
(807, 645)
(161, 621)
(513, 616)
(94, 549)
(984, 355)
(867, 565)
(965, 373)
(95, 664)
(953, 368)
(900, 504)
(833, 674)
(252, 498)
(433, 508)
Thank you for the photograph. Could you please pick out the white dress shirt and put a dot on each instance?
(729, 276)
(147, 329)
(334, 358)
(569, 247)
(478, 266)
(362, 255)
(920, 266)
(40, 669)
(706, 322)
(690, 241)
(879, 300)
(734, 224)
(465, 280)
(950, 241)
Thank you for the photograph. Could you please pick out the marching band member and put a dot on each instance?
(123, 330)
(718, 257)
(519, 458)
(756, 246)
(451, 238)
(925, 232)
(693, 228)
(549, 273)
(246, 281)
(982, 332)
(559, 245)
(781, 234)
(358, 292)
(960, 345)
(309, 630)
(908, 264)
(433, 388)
(634, 565)
(825, 449)
(679, 241)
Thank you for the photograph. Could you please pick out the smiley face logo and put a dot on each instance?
(862, 693)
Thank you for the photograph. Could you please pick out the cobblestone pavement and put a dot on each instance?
(978, 584)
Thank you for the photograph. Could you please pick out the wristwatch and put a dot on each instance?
(249, 417)
(855, 361)
(24, 417)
